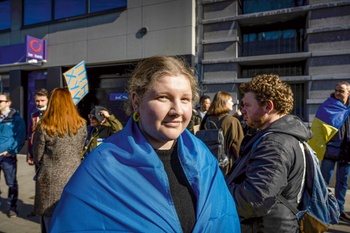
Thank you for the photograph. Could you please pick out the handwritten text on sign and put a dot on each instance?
(77, 82)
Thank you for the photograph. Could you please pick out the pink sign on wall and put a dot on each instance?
(36, 48)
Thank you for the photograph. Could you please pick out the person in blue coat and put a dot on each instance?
(12, 138)
(153, 175)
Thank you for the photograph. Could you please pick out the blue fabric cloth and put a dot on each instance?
(329, 117)
(122, 187)
(333, 112)
(342, 177)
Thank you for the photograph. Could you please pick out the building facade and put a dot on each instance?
(110, 36)
(306, 42)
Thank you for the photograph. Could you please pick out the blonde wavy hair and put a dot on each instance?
(150, 69)
(270, 87)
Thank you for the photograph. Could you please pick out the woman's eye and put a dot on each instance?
(186, 99)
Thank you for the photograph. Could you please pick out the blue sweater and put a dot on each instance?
(122, 187)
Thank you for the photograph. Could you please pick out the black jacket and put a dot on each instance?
(274, 166)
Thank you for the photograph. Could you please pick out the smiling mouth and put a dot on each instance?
(173, 123)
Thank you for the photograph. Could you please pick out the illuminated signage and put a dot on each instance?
(118, 96)
(36, 48)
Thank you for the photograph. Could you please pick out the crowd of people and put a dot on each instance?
(154, 174)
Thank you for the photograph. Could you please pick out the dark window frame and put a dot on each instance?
(281, 69)
(277, 5)
(299, 105)
(7, 20)
(297, 25)
(87, 14)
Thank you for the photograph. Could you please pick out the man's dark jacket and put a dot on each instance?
(274, 166)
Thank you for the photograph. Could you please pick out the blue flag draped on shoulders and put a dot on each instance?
(330, 116)
(122, 186)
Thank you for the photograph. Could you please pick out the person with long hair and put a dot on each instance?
(153, 175)
(58, 141)
(41, 99)
(218, 113)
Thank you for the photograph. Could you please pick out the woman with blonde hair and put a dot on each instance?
(58, 141)
(218, 113)
(153, 175)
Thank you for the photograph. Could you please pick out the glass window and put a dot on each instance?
(40, 11)
(253, 6)
(283, 69)
(36, 11)
(102, 5)
(4, 83)
(272, 42)
(69, 8)
(299, 97)
(5, 14)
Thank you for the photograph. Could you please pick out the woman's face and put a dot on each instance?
(230, 104)
(165, 110)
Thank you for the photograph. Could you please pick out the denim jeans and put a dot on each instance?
(9, 166)
(341, 183)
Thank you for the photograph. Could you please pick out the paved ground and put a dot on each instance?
(21, 224)
(24, 224)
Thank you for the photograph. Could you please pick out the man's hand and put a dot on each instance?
(6, 154)
(105, 113)
(30, 160)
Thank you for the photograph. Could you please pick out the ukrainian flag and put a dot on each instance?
(330, 116)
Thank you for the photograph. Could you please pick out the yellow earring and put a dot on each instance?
(136, 116)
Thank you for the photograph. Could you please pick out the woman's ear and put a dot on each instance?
(135, 101)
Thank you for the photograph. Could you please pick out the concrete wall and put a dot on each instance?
(115, 36)
(326, 46)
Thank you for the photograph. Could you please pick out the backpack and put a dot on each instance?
(213, 138)
(318, 206)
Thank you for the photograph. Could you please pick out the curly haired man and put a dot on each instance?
(271, 160)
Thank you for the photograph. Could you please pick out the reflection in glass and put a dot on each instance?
(253, 6)
(272, 42)
(102, 5)
(40, 11)
(36, 11)
(69, 8)
(5, 14)
(282, 69)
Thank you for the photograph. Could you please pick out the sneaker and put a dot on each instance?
(345, 217)
(12, 213)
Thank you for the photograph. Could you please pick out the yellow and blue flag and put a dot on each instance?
(329, 118)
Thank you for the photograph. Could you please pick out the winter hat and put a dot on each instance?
(95, 113)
